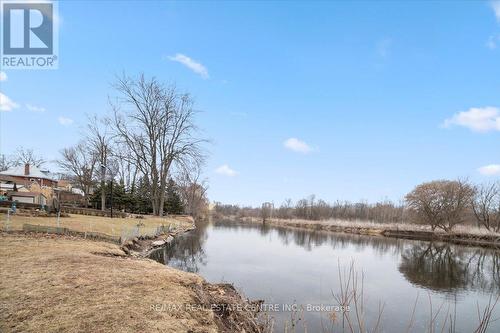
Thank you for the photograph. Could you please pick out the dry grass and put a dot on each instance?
(465, 229)
(106, 225)
(62, 284)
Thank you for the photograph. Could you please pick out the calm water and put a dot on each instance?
(291, 266)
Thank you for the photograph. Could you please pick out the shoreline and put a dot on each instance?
(403, 231)
(197, 292)
(143, 246)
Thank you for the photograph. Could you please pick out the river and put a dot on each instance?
(301, 269)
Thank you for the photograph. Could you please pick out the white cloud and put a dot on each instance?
(226, 171)
(193, 65)
(477, 119)
(495, 4)
(6, 104)
(3, 76)
(35, 108)
(297, 145)
(65, 121)
(490, 170)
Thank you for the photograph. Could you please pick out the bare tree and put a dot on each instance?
(486, 205)
(442, 203)
(24, 156)
(286, 209)
(266, 211)
(5, 162)
(193, 191)
(301, 209)
(80, 162)
(127, 171)
(156, 123)
(99, 141)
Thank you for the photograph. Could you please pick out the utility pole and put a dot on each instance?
(111, 200)
(103, 193)
(103, 185)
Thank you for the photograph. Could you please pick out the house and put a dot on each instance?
(28, 197)
(64, 184)
(26, 175)
(67, 186)
(70, 198)
(28, 184)
(69, 195)
(7, 184)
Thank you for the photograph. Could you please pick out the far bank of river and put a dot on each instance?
(461, 236)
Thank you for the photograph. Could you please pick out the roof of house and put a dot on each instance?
(35, 172)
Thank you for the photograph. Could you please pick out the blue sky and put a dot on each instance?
(346, 100)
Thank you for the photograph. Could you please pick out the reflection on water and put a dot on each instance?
(186, 252)
(286, 265)
(443, 267)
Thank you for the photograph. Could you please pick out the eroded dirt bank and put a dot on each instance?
(61, 283)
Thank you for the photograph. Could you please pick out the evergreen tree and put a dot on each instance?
(141, 198)
(173, 202)
(120, 198)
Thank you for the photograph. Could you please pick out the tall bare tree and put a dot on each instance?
(99, 141)
(80, 162)
(156, 123)
(24, 156)
(486, 205)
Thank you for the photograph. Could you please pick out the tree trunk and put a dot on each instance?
(153, 203)
(162, 195)
(163, 186)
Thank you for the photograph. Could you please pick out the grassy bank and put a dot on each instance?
(60, 283)
(106, 225)
(464, 235)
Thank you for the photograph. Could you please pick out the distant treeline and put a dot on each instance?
(317, 209)
(440, 204)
